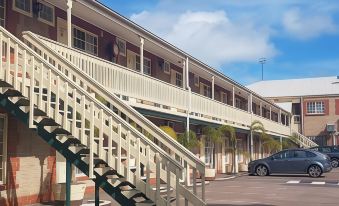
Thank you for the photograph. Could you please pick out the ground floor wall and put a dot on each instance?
(30, 168)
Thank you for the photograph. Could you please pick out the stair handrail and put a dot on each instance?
(134, 115)
(51, 68)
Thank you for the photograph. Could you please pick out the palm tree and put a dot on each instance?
(258, 127)
(188, 139)
(229, 131)
(215, 137)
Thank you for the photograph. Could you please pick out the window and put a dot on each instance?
(296, 119)
(206, 90)
(85, 41)
(3, 147)
(23, 6)
(315, 107)
(325, 149)
(167, 67)
(46, 13)
(147, 65)
(223, 97)
(310, 154)
(283, 155)
(208, 152)
(2, 13)
(299, 154)
(178, 79)
(196, 80)
(121, 46)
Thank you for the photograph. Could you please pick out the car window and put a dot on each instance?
(335, 149)
(326, 150)
(299, 154)
(283, 155)
(315, 149)
(310, 154)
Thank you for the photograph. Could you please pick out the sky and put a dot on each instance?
(298, 38)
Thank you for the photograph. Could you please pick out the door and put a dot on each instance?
(299, 162)
(131, 60)
(280, 162)
(62, 31)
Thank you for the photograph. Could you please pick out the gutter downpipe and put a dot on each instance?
(188, 119)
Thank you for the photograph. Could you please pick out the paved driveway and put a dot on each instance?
(290, 190)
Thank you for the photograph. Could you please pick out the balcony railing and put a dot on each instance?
(127, 82)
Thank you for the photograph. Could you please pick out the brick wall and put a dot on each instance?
(30, 167)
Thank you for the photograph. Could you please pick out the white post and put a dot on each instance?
(69, 22)
(250, 100)
(260, 109)
(142, 55)
(279, 118)
(233, 96)
(212, 87)
(188, 117)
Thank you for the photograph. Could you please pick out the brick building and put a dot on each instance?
(313, 102)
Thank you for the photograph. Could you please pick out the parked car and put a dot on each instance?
(332, 152)
(292, 161)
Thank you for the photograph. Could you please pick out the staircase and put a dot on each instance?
(302, 140)
(59, 102)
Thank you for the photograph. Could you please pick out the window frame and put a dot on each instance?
(208, 147)
(196, 80)
(86, 32)
(30, 14)
(4, 149)
(209, 90)
(315, 107)
(119, 40)
(169, 67)
(5, 3)
(175, 78)
(145, 58)
(53, 14)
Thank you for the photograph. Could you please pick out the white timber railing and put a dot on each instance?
(124, 81)
(303, 141)
(191, 163)
(48, 85)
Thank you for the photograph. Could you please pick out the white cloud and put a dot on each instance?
(303, 26)
(210, 36)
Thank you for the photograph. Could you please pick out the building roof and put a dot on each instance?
(297, 87)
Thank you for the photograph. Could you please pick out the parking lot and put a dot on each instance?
(292, 190)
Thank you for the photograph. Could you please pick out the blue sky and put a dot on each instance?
(299, 38)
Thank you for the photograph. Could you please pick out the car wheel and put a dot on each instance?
(261, 170)
(314, 171)
(334, 163)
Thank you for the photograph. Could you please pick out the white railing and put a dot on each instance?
(124, 81)
(188, 159)
(71, 106)
(304, 141)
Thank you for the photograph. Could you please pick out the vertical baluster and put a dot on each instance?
(177, 185)
(194, 180)
(8, 59)
(65, 121)
(128, 155)
(57, 99)
(41, 80)
(148, 170)
(119, 149)
(31, 95)
(24, 71)
(83, 118)
(74, 117)
(168, 202)
(110, 139)
(137, 160)
(101, 133)
(16, 66)
(91, 141)
(203, 185)
(1, 56)
(49, 93)
(157, 173)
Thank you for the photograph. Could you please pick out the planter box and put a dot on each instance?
(77, 193)
(210, 174)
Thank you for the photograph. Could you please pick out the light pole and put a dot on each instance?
(262, 61)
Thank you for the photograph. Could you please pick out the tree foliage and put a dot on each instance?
(189, 140)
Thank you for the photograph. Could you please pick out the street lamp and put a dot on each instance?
(262, 61)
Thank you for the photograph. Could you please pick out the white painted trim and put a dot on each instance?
(84, 30)
(124, 42)
(30, 14)
(169, 67)
(4, 149)
(44, 20)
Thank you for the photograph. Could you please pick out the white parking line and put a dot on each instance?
(318, 183)
(293, 182)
